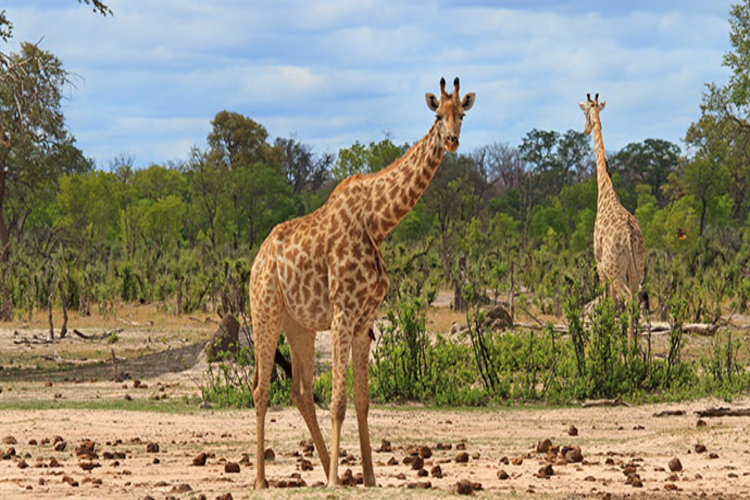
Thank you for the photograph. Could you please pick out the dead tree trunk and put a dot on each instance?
(51, 335)
(64, 329)
(178, 310)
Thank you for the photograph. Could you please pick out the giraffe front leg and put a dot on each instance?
(360, 362)
(341, 336)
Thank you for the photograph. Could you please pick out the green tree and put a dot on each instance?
(366, 159)
(649, 162)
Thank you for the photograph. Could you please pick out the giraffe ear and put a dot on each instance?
(468, 101)
(602, 104)
(432, 101)
(583, 106)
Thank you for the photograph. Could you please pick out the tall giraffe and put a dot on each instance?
(619, 248)
(325, 271)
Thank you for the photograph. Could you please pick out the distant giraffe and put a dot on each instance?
(619, 248)
(325, 271)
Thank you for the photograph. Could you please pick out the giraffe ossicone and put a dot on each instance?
(325, 271)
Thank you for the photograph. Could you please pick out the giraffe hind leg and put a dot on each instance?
(302, 346)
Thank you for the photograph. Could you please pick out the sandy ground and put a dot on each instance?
(166, 359)
(610, 440)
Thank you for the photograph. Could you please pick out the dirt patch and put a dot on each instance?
(615, 458)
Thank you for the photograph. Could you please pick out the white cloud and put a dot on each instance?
(336, 71)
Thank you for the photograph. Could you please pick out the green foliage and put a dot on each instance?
(366, 159)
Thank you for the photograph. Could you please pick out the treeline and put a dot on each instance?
(507, 218)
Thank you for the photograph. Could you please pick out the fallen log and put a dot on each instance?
(589, 403)
(670, 413)
(101, 336)
(724, 412)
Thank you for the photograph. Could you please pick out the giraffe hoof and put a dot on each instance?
(261, 484)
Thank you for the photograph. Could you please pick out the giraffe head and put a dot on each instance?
(591, 109)
(449, 112)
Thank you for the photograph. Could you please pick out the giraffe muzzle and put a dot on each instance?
(452, 142)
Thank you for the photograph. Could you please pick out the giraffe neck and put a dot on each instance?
(396, 189)
(603, 181)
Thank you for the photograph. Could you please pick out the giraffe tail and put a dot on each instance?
(633, 278)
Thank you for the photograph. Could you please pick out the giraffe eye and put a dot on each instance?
(461, 116)
(438, 116)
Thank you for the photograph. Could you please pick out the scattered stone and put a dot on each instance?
(89, 465)
(713, 455)
(401, 476)
(22, 464)
(54, 463)
(152, 448)
(305, 465)
(444, 446)
(425, 452)
(543, 446)
(200, 460)
(572, 431)
(245, 460)
(9, 440)
(545, 472)
(609, 461)
(461, 446)
(699, 448)
(462, 457)
(700, 423)
(347, 479)
(573, 455)
(181, 488)
(417, 463)
(422, 473)
(86, 450)
(225, 496)
(7, 454)
(232, 468)
(156, 461)
(436, 472)
(475, 455)
(55, 440)
(393, 461)
(128, 398)
(269, 454)
(32, 442)
(589, 478)
(502, 475)
(504, 461)
(60, 446)
(634, 480)
(385, 446)
(671, 487)
(464, 487)
(675, 465)
(72, 482)
(517, 461)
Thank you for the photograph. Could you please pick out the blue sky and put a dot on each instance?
(151, 77)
